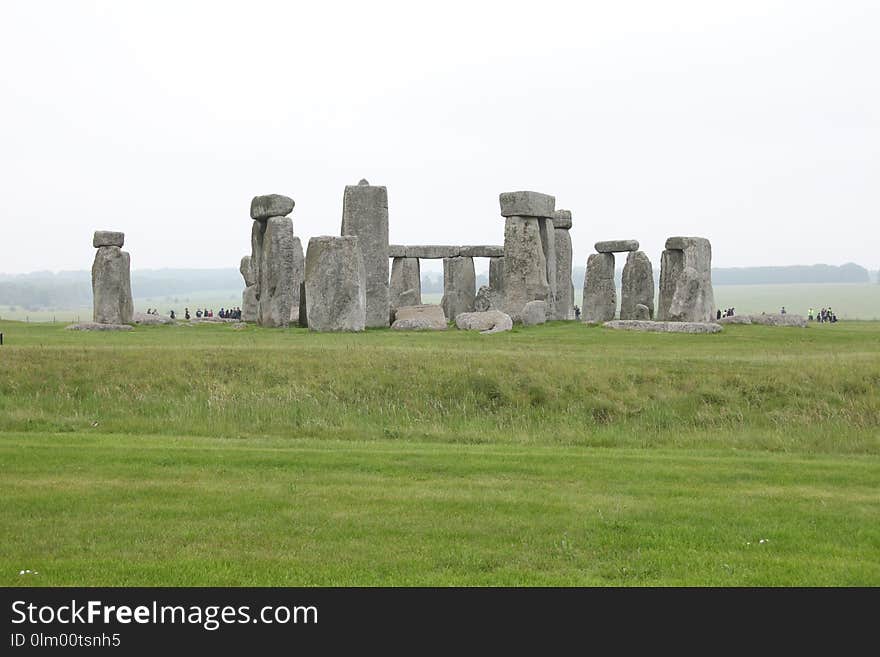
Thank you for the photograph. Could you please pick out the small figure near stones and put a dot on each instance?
(577, 312)
(187, 313)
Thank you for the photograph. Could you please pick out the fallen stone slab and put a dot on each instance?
(798, 321)
(617, 246)
(433, 252)
(271, 205)
(481, 251)
(145, 319)
(423, 317)
(95, 326)
(527, 204)
(663, 327)
(735, 319)
(534, 313)
(491, 321)
(108, 238)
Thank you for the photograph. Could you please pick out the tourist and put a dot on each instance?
(198, 313)
(186, 313)
(171, 314)
(810, 314)
(577, 312)
(782, 312)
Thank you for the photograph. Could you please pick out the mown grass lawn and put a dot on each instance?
(559, 455)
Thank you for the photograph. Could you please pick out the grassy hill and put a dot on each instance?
(559, 454)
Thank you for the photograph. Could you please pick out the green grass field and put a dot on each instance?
(560, 455)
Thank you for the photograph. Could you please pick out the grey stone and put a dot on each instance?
(534, 312)
(735, 319)
(299, 278)
(615, 246)
(271, 205)
(798, 321)
(247, 271)
(421, 317)
(406, 281)
(250, 306)
(481, 251)
(459, 286)
(238, 326)
(365, 215)
(564, 306)
(526, 204)
(600, 294)
(111, 286)
(303, 307)
(664, 327)
(94, 326)
(280, 273)
(488, 299)
(335, 285)
(145, 319)
(548, 244)
(496, 274)
(363, 182)
(258, 230)
(432, 251)
(686, 293)
(637, 286)
(524, 265)
(562, 219)
(641, 312)
(396, 251)
(492, 321)
(107, 238)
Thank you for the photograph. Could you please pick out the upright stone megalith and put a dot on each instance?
(459, 286)
(365, 215)
(111, 279)
(548, 244)
(564, 306)
(686, 293)
(335, 284)
(525, 263)
(406, 283)
(250, 308)
(600, 295)
(637, 286)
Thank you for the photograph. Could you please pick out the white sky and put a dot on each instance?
(753, 123)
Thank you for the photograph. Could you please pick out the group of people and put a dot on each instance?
(727, 312)
(225, 313)
(823, 316)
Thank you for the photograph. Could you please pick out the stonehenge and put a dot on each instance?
(600, 294)
(111, 280)
(336, 287)
(686, 293)
(365, 215)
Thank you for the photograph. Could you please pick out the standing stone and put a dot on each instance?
(299, 276)
(534, 312)
(564, 307)
(600, 295)
(496, 274)
(111, 284)
(686, 293)
(459, 286)
(365, 215)
(525, 267)
(406, 281)
(335, 285)
(548, 243)
(488, 299)
(279, 283)
(637, 286)
(250, 308)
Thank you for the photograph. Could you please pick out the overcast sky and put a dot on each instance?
(753, 123)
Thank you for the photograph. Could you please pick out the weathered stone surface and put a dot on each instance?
(600, 294)
(548, 243)
(396, 251)
(481, 251)
(527, 204)
(299, 277)
(335, 284)
(365, 215)
(615, 246)
(534, 312)
(280, 273)
(492, 321)
(95, 326)
(271, 205)
(429, 251)
(459, 286)
(406, 280)
(686, 281)
(664, 327)
(798, 321)
(524, 265)
(258, 229)
(247, 271)
(422, 317)
(488, 299)
(562, 219)
(641, 312)
(496, 274)
(564, 307)
(107, 238)
(111, 286)
(637, 286)
(250, 306)
(145, 319)
(303, 306)
(735, 319)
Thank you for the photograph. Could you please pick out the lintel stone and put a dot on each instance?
(617, 246)
(527, 204)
